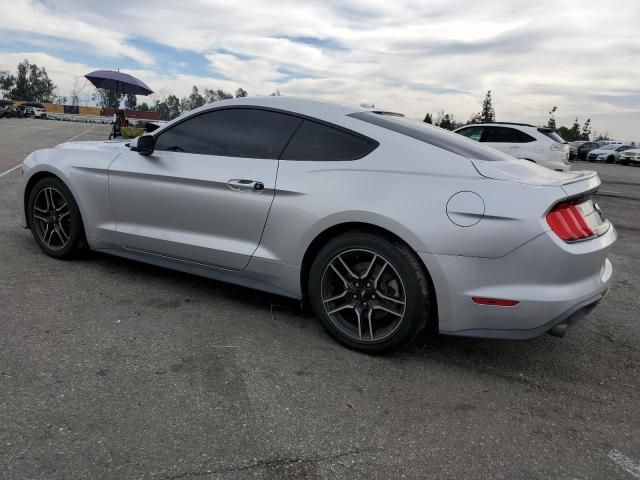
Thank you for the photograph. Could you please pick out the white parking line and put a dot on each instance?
(70, 140)
(625, 463)
(87, 130)
(10, 170)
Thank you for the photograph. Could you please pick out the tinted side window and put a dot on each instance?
(504, 135)
(473, 133)
(314, 141)
(240, 132)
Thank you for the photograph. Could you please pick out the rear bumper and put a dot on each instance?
(555, 284)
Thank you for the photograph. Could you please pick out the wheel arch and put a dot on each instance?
(331, 232)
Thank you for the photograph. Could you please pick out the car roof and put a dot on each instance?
(503, 123)
(332, 112)
(301, 105)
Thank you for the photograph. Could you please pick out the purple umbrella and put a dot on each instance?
(118, 82)
(121, 83)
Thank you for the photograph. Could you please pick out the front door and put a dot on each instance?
(205, 192)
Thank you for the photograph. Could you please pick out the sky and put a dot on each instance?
(408, 56)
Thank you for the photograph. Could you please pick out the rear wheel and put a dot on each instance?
(611, 159)
(54, 219)
(369, 293)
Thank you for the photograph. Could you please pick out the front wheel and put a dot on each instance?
(369, 293)
(55, 219)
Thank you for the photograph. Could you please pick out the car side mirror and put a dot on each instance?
(143, 145)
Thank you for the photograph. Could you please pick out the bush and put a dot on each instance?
(132, 132)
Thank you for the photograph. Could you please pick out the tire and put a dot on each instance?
(58, 232)
(395, 295)
(611, 160)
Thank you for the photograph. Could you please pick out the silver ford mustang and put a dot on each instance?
(383, 225)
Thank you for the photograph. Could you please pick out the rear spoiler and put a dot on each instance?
(588, 181)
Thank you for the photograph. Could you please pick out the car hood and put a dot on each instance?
(633, 151)
(529, 173)
(103, 146)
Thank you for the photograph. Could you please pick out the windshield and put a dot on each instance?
(609, 147)
(438, 137)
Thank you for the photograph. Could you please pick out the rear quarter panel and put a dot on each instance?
(404, 187)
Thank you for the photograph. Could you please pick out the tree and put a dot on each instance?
(428, 119)
(79, 85)
(211, 95)
(195, 100)
(173, 106)
(475, 118)
(60, 100)
(585, 134)
(32, 83)
(552, 120)
(163, 110)
(275, 93)
(241, 92)
(143, 107)
(7, 81)
(574, 131)
(106, 98)
(446, 121)
(130, 101)
(488, 114)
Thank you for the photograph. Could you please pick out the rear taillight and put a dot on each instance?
(568, 222)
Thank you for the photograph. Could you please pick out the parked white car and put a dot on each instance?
(609, 153)
(630, 157)
(540, 145)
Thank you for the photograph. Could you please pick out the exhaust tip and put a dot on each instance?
(559, 330)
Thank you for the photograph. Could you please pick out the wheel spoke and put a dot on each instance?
(343, 307)
(58, 209)
(62, 234)
(344, 280)
(390, 299)
(336, 297)
(39, 217)
(375, 282)
(388, 310)
(64, 215)
(349, 271)
(41, 210)
(369, 315)
(373, 260)
(358, 315)
(51, 232)
(49, 196)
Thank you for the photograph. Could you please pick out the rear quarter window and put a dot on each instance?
(449, 141)
(315, 141)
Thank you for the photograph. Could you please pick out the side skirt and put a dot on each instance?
(258, 280)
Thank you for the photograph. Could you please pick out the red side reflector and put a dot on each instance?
(497, 302)
(567, 222)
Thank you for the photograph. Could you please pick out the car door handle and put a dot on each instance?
(242, 185)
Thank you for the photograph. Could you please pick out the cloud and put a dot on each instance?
(37, 18)
(408, 55)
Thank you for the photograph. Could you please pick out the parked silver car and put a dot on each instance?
(383, 225)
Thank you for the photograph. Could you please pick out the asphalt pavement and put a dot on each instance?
(114, 369)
